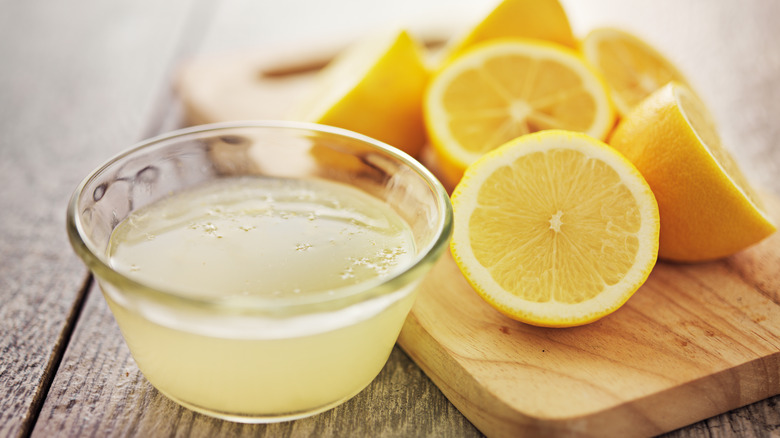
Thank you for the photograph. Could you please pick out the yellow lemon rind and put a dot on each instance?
(705, 214)
(535, 19)
(375, 88)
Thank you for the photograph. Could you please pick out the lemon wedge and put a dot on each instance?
(375, 88)
(535, 19)
(708, 207)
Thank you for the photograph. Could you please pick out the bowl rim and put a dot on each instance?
(99, 266)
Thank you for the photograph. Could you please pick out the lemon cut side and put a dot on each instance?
(506, 88)
(631, 67)
(555, 229)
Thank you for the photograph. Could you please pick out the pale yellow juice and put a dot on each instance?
(278, 240)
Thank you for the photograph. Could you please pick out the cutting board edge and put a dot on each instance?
(498, 418)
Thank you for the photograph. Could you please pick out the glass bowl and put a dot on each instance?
(274, 350)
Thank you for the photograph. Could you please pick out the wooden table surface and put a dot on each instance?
(82, 80)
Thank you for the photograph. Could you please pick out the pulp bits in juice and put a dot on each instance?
(277, 239)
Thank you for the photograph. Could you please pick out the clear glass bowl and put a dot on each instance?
(251, 358)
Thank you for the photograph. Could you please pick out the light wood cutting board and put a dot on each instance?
(694, 341)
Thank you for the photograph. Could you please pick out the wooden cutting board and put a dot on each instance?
(695, 341)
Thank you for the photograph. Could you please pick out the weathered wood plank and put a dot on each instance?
(99, 391)
(76, 84)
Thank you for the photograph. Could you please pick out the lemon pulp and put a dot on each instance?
(505, 88)
(555, 228)
(570, 240)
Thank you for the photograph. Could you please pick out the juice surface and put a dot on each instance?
(261, 236)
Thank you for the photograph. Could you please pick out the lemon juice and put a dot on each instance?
(288, 243)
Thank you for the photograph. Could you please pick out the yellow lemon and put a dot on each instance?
(537, 19)
(374, 88)
(502, 89)
(555, 229)
(708, 208)
(632, 68)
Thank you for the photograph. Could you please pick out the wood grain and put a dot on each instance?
(99, 391)
(234, 86)
(59, 81)
(693, 342)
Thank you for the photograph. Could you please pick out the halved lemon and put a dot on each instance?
(374, 88)
(537, 19)
(506, 88)
(555, 229)
(631, 67)
(708, 207)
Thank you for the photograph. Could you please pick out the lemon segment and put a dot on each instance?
(375, 88)
(708, 208)
(555, 229)
(505, 88)
(632, 68)
(536, 19)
